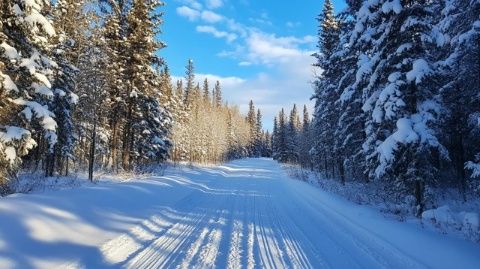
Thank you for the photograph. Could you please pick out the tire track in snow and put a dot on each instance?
(235, 251)
(271, 254)
(209, 252)
(169, 244)
(119, 249)
(235, 230)
(253, 253)
(295, 253)
(194, 249)
(178, 237)
(249, 259)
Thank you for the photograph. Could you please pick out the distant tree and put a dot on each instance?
(217, 96)
(190, 83)
(206, 92)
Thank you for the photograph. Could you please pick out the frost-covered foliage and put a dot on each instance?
(459, 66)
(83, 86)
(396, 100)
(199, 137)
(78, 86)
(25, 90)
(292, 138)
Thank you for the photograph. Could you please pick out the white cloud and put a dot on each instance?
(188, 13)
(244, 63)
(212, 4)
(291, 24)
(264, 18)
(266, 48)
(193, 4)
(227, 83)
(287, 79)
(211, 17)
(270, 91)
(286, 60)
(216, 33)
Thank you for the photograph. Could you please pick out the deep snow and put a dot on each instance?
(244, 214)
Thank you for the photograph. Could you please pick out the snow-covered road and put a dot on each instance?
(245, 214)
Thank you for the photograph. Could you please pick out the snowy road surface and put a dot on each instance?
(245, 214)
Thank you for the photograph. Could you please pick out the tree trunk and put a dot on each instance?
(341, 170)
(419, 195)
(460, 165)
(66, 166)
(92, 152)
(114, 146)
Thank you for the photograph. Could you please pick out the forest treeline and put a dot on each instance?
(397, 100)
(82, 87)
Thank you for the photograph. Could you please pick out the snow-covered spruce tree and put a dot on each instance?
(460, 70)
(217, 95)
(25, 82)
(115, 38)
(259, 139)
(143, 20)
(400, 102)
(305, 141)
(152, 131)
(206, 91)
(349, 133)
(190, 83)
(252, 122)
(93, 95)
(182, 143)
(179, 117)
(71, 23)
(281, 148)
(268, 144)
(275, 139)
(292, 136)
(325, 95)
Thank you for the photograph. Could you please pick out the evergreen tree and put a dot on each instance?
(71, 24)
(326, 112)
(400, 104)
(328, 30)
(350, 134)
(460, 89)
(292, 136)
(281, 138)
(305, 141)
(252, 123)
(190, 83)
(25, 89)
(179, 90)
(275, 135)
(206, 92)
(259, 139)
(217, 96)
(115, 38)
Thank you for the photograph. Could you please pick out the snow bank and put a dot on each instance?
(444, 218)
(448, 213)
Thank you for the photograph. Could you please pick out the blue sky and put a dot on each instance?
(258, 50)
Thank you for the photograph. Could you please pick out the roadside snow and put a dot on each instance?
(244, 214)
(449, 214)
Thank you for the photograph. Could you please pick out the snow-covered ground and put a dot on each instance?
(244, 214)
(446, 211)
